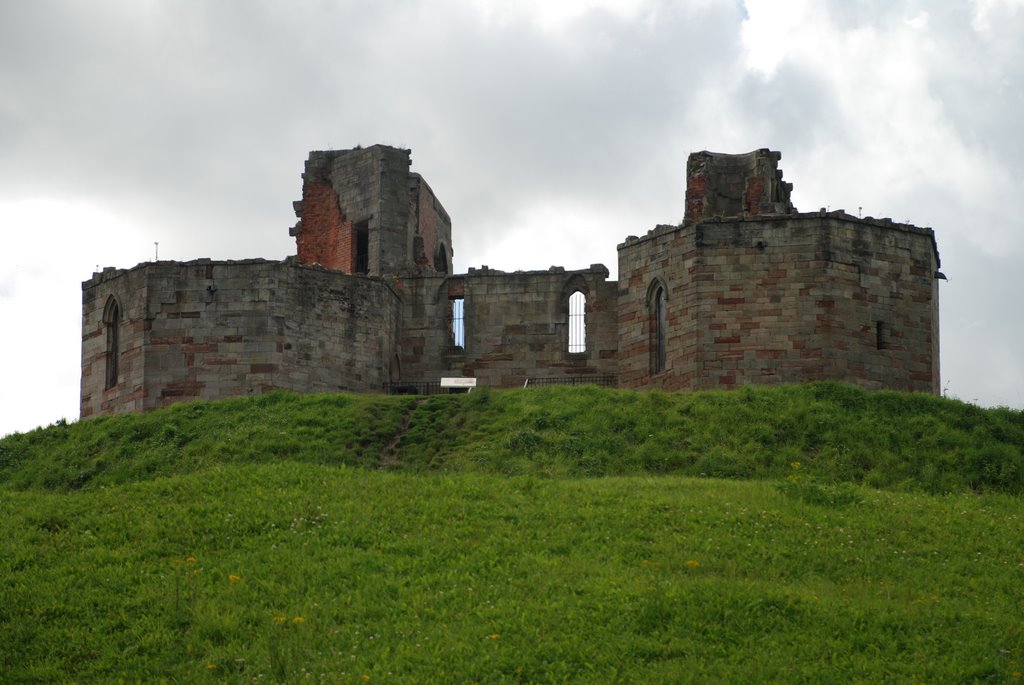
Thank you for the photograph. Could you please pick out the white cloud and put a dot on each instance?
(48, 247)
(991, 16)
(556, 17)
(890, 135)
(549, 130)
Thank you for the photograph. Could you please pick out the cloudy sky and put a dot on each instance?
(550, 129)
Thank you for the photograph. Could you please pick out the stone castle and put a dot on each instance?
(745, 290)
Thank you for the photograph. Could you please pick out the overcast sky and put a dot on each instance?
(550, 130)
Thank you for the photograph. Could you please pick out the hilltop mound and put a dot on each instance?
(824, 431)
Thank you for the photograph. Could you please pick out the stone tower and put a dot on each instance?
(721, 185)
(363, 212)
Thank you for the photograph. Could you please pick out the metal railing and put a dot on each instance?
(414, 388)
(608, 381)
(433, 387)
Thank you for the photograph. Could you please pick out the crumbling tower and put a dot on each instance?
(735, 185)
(363, 212)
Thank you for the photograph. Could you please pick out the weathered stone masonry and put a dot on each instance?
(746, 290)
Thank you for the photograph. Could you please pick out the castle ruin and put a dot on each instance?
(745, 290)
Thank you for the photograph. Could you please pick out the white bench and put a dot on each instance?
(459, 382)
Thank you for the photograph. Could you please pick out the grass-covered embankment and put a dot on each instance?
(836, 433)
(299, 573)
(341, 539)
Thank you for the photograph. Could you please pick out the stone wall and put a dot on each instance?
(516, 325)
(667, 257)
(430, 229)
(128, 290)
(784, 298)
(720, 185)
(210, 330)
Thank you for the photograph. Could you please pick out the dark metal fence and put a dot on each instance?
(609, 381)
(414, 388)
(434, 387)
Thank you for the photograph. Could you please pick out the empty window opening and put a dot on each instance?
(577, 322)
(881, 335)
(441, 260)
(659, 324)
(457, 322)
(112, 319)
(362, 265)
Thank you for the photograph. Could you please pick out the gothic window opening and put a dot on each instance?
(457, 323)
(577, 322)
(441, 260)
(362, 231)
(112, 322)
(658, 328)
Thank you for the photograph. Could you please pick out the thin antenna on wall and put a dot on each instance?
(156, 251)
(859, 210)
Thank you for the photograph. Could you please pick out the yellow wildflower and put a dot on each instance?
(190, 559)
(794, 465)
(211, 666)
(493, 636)
(365, 678)
(298, 619)
(280, 619)
(692, 563)
(234, 579)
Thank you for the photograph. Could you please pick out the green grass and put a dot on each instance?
(463, 539)
(413, 578)
(835, 433)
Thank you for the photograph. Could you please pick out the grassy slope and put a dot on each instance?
(835, 433)
(186, 544)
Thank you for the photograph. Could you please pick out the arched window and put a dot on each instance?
(457, 323)
(658, 328)
(441, 260)
(112, 322)
(577, 322)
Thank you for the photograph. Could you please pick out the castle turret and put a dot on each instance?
(735, 185)
(363, 212)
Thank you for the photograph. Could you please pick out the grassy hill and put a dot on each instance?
(795, 534)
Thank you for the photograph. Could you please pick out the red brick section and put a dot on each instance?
(327, 237)
(754, 195)
(696, 189)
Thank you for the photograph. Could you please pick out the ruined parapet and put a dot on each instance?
(735, 185)
(363, 212)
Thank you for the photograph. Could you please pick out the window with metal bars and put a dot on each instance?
(457, 322)
(577, 322)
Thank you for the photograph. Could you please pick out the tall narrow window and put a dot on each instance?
(577, 322)
(112, 322)
(441, 260)
(457, 323)
(880, 335)
(659, 325)
(362, 231)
